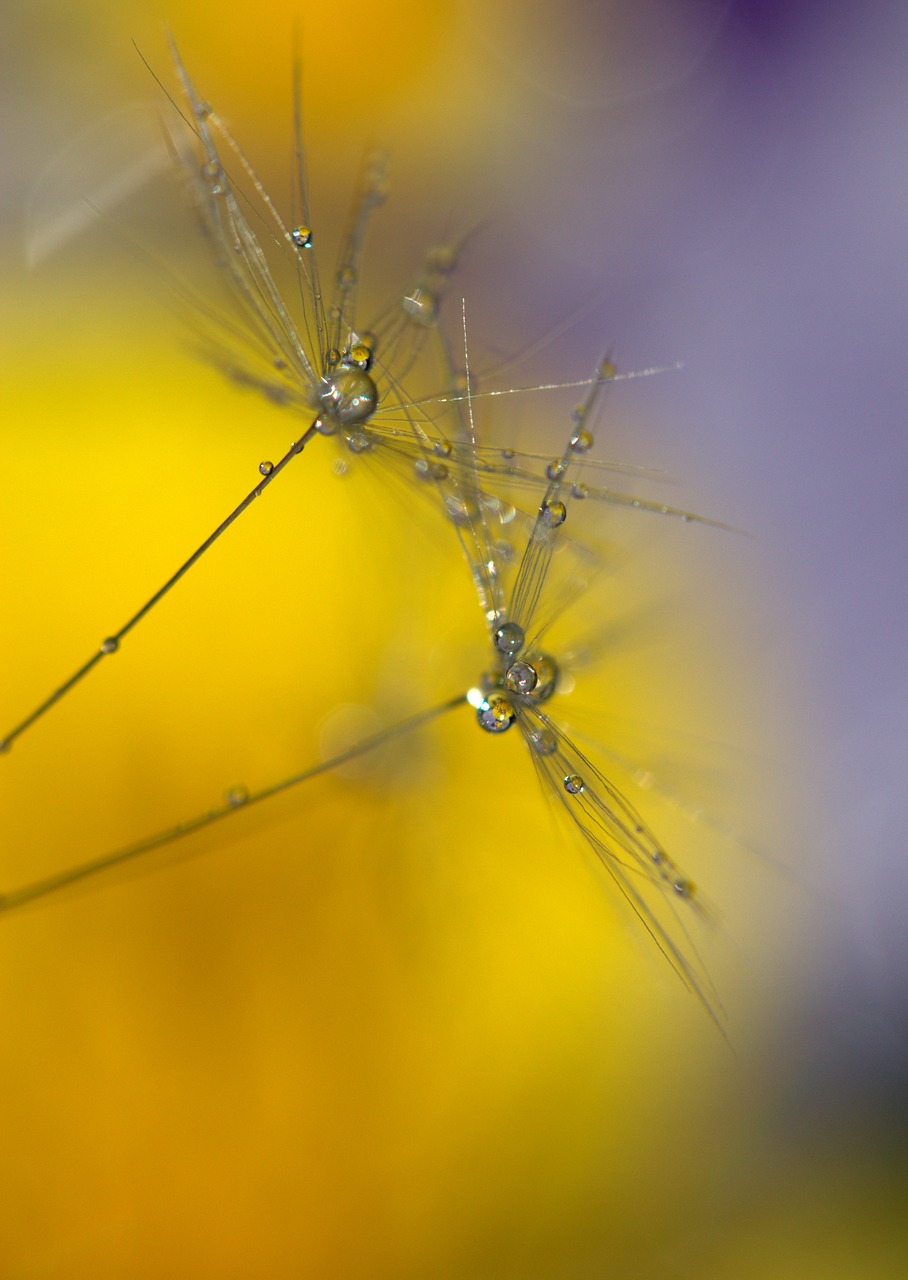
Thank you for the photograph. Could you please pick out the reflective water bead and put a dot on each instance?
(683, 888)
(442, 448)
(507, 454)
(236, 796)
(358, 442)
(348, 396)
(266, 468)
(581, 441)
(546, 669)
(496, 714)
(428, 470)
(461, 511)
(509, 638)
(553, 514)
(543, 742)
(573, 784)
(555, 469)
(346, 277)
(360, 355)
(110, 645)
(302, 237)
(579, 490)
(521, 677)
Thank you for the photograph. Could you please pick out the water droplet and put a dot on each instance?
(421, 306)
(573, 784)
(348, 396)
(358, 442)
(266, 468)
(215, 174)
(683, 888)
(607, 370)
(579, 490)
(359, 355)
(302, 237)
(553, 514)
(280, 364)
(442, 448)
(578, 413)
(555, 469)
(546, 669)
(543, 742)
(443, 259)
(581, 441)
(110, 645)
(236, 796)
(346, 277)
(521, 677)
(332, 358)
(461, 511)
(496, 714)
(509, 638)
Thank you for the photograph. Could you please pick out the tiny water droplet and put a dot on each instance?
(683, 888)
(553, 514)
(496, 714)
(421, 306)
(110, 645)
(555, 469)
(266, 468)
(581, 441)
(509, 638)
(332, 357)
(236, 796)
(442, 448)
(358, 442)
(507, 454)
(579, 490)
(543, 742)
(573, 784)
(607, 370)
(302, 237)
(346, 277)
(360, 355)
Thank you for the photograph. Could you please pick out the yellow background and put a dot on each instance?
(388, 1025)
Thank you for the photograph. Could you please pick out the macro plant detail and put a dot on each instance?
(315, 358)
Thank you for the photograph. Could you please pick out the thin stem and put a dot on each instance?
(63, 879)
(112, 642)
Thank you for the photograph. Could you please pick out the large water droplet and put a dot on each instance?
(546, 669)
(266, 468)
(521, 677)
(348, 396)
(581, 441)
(573, 784)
